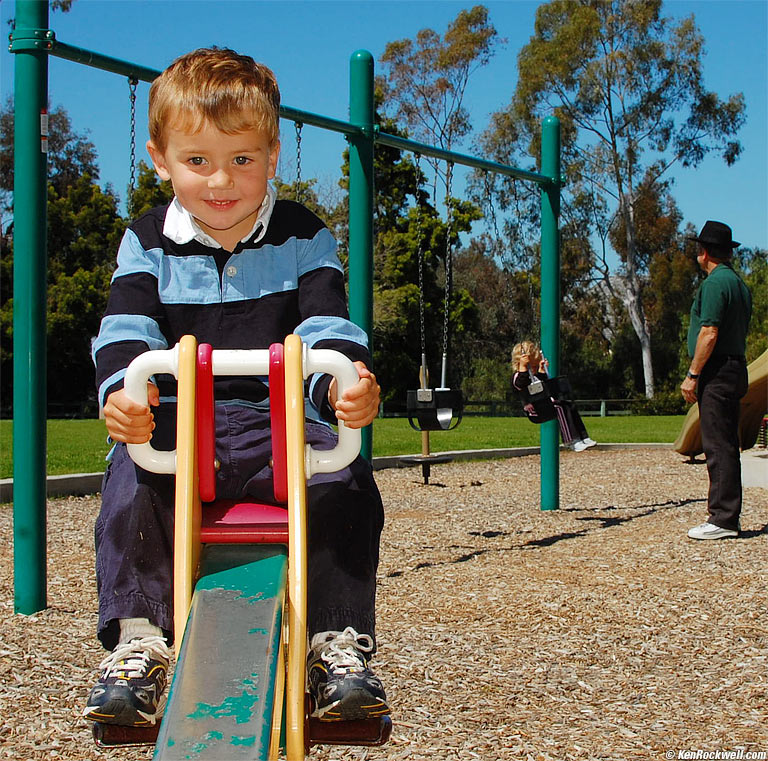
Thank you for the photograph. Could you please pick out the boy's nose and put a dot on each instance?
(220, 179)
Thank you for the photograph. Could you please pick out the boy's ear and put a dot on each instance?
(158, 161)
(274, 154)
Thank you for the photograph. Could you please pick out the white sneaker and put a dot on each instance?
(710, 531)
(579, 446)
(590, 442)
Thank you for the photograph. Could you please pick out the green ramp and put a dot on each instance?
(220, 702)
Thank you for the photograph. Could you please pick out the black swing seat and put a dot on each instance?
(557, 388)
(560, 388)
(434, 409)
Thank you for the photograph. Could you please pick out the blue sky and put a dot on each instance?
(308, 44)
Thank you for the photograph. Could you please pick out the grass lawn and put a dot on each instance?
(392, 436)
(79, 446)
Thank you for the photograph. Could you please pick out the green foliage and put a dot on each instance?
(752, 264)
(630, 77)
(672, 278)
(70, 155)
(406, 224)
(502, 307)
(627, 86)
(397, 333)
(84, 227)
(84, 230)
(488, 378)
(427, 77)
(668, 402)
(76, 304)
(150, 191)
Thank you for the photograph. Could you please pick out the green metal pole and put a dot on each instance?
(361, 204)
(29, 308)
(550, 302)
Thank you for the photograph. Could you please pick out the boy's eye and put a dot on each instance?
(196, 160)
(241, 160)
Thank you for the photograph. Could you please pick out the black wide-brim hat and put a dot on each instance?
(716, 234)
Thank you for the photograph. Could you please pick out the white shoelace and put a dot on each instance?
(130, 659)
(344, 649)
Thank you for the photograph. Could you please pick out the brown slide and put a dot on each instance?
(754, 406)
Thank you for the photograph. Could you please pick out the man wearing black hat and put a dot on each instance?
(717, 376)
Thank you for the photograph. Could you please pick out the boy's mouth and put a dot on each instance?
(220, 205)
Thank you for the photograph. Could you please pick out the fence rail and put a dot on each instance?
(512, 408)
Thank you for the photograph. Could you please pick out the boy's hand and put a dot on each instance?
(128, 421)
(359, 404)
(544, 365)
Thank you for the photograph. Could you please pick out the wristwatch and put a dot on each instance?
(689, 374)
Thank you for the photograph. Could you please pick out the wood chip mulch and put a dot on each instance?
(597, 631)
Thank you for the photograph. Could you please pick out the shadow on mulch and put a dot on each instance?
(549, 541)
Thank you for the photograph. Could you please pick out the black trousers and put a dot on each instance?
(571, 426)
(134, 530)
(722, 383)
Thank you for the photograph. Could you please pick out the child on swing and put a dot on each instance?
(530, 365)
(232, 265)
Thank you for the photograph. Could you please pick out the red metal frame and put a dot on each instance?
(277, 421)
(206, 424)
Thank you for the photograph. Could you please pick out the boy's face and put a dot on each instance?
(220, 179)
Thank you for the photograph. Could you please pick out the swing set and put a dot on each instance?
(433, 408)
(32, 42)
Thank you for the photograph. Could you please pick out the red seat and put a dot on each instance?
(231, 522)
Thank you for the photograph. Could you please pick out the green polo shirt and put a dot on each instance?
(723, 301)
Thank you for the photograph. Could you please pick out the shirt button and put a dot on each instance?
(231, 271)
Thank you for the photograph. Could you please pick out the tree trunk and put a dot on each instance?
(634, 306)
(634, 296)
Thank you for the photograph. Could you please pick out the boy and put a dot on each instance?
(226, 262)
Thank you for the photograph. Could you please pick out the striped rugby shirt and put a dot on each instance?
(173, 280)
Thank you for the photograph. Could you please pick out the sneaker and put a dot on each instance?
(590, 442)
(579, 446)
(131, 688)
(710, 531)
(342, 685)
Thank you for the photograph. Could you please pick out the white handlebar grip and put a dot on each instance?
(243, 361)
(136, 378)
(336, 364)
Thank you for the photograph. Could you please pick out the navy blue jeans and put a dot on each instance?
(134, 530)
(722, 383)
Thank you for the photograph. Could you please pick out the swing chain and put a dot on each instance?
(420, 257)
(530, 264)
(492, 209)
(298, 127)
(132, 83)
(448, 257)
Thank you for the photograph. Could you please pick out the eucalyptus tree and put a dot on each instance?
(426, 78)
(627, 85)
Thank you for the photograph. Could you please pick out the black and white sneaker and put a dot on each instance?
(342, 685)
(131, 688)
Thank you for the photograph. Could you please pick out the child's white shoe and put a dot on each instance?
(579, 446)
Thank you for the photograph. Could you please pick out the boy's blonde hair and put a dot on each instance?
(216, 85)
(525, 347)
